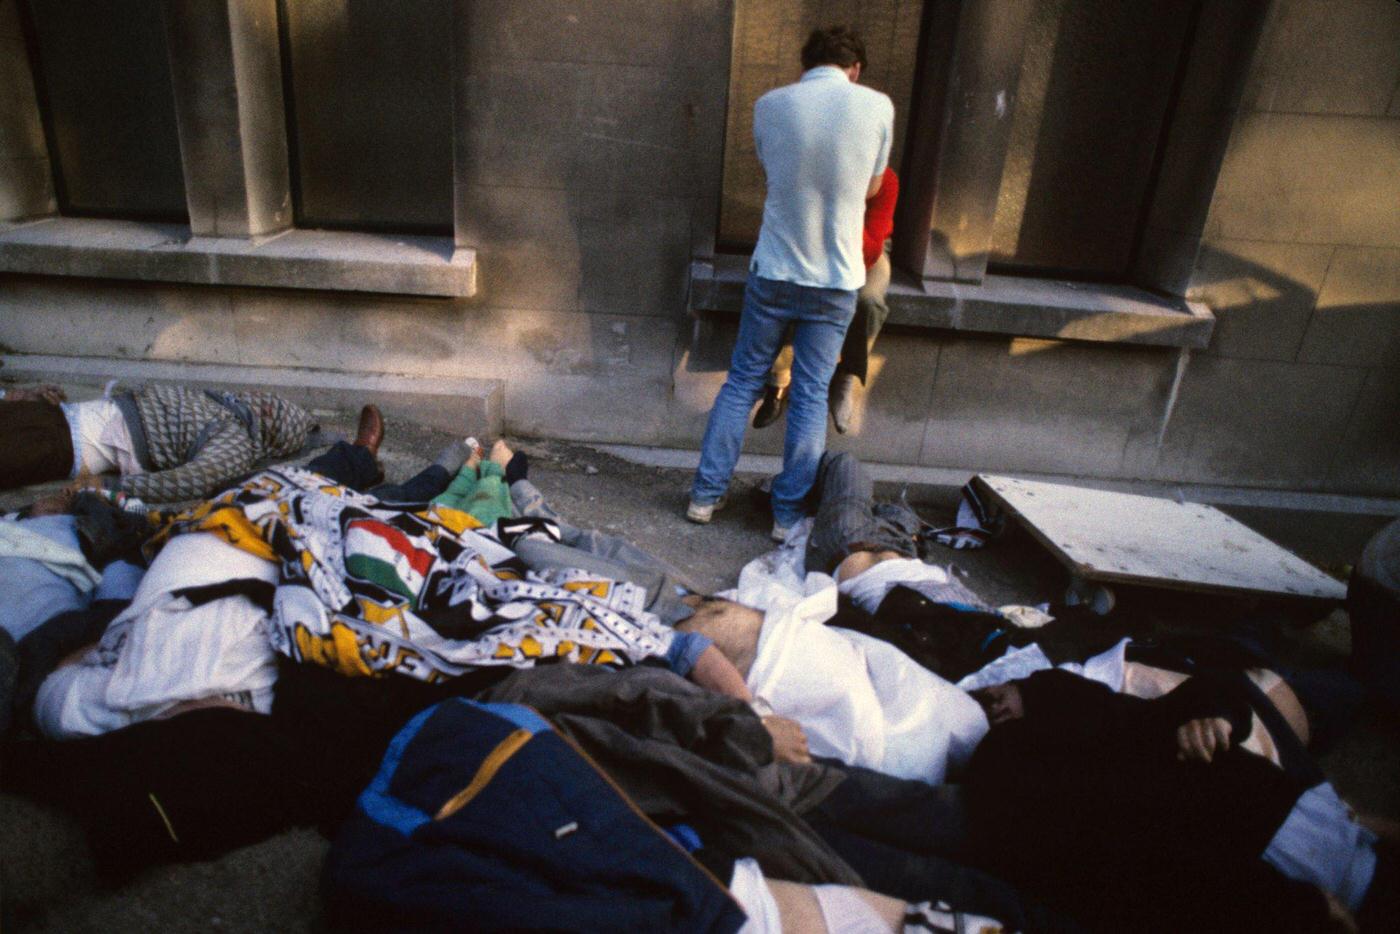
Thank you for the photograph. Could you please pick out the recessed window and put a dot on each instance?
(369, 113)
(103, 77)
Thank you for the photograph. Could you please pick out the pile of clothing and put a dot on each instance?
(508, 723)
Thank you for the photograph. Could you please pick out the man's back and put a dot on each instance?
(821, 141)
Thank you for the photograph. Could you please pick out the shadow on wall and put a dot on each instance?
(1281, 398)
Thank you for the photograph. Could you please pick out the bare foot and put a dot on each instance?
(501, 453)
(53, 504)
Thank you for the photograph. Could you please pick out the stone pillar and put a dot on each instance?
(959, 129)
(26, 177)
(226, 69)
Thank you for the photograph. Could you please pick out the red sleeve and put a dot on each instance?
(879, 217)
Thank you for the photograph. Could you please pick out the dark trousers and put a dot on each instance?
(848, 520)
(36, 445)
(906, 840)
(354, 466)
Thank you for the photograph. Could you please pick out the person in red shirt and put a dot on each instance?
(871, 312)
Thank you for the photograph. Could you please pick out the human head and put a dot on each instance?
(1001, 702)
(835, 45)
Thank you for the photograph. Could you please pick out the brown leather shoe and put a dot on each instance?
(371, 431)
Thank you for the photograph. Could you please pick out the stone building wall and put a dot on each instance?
(587, 176)
(1301, 265)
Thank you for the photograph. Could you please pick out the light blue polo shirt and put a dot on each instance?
(821, 141)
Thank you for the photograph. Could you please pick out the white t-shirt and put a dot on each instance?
(101, 438)
(821, 141)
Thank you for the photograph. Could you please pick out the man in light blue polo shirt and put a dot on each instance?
(824, 143)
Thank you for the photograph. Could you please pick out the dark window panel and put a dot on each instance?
(103, 75)
(369, 110)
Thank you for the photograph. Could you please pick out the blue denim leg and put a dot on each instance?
(767, 308)
(823, 315)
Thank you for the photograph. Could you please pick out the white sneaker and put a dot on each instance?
(701, 514)
(780, 532)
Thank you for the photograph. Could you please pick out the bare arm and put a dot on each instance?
(875, 184)
(717, 673)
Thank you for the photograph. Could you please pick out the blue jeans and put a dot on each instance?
(820, 318)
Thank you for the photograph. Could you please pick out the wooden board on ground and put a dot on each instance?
(1122, 537)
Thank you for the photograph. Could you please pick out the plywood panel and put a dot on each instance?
(1123, 537)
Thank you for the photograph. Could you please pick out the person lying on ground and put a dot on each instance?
(159, 443)
(859, 699)
(68, 564)
(370, 588)
(1150, 814)
(599, 553)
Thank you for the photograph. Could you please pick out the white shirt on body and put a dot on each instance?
(821, 141)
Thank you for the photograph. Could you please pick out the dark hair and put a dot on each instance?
(834, 45)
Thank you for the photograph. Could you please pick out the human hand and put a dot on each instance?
(501, 453)
(49, 393)
(1201, 739)
(789, 740)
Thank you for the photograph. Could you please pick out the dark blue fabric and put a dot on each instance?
(546, 843)
(355, 467)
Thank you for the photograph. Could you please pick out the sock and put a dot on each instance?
(453, 457)
(518, 467)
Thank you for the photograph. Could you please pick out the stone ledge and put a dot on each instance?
(455, 405)
(338, 261)
(1024, 307)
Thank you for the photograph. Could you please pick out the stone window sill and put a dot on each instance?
(295, 259)
(1024, 307)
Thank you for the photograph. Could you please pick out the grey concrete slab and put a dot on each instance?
(448, 404)
(1316, 57)
(1304, 178)
(356, 333)
(297, 259)
(1042, 405)
(1003, 305)
(580, 125)
(1368, 459)
(528, 241)
(130, 320)
(1258, 423)
(585, 408)
(1262, 295)
(620, 32)
(634, 253)
(1357, 319)
(891, 412)
(519, 125)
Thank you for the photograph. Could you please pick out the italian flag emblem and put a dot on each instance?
(383, 555)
